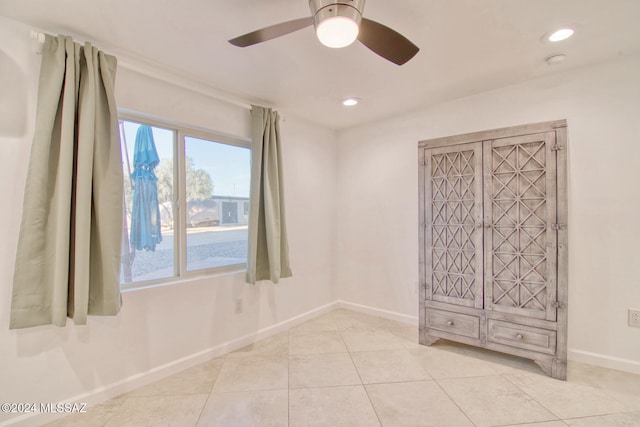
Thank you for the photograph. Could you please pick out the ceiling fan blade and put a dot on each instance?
(386, 42)
(271, 32)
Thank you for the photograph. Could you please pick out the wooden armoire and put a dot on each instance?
(493, 241)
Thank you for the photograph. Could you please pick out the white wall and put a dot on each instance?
(167, 327)
(377, 256)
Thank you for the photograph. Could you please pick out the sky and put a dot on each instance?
(228, 166)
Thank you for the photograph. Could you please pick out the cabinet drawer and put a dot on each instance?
(521, 336)
(454, 323)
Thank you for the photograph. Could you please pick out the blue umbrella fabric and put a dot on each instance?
(145, 215)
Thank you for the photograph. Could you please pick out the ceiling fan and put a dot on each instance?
(339, 23)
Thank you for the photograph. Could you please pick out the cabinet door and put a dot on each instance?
(452, 253)
(520, 213)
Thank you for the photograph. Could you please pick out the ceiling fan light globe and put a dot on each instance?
(337, 31)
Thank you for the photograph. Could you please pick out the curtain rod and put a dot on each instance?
(185, 83)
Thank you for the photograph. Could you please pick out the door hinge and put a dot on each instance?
(557, 304)
(558, 227)
(556, 147)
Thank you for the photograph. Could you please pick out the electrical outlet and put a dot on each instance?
(634, 318)
(237, 308)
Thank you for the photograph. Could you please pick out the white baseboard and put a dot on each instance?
(604, 361)
(392, 315)
(141, 379)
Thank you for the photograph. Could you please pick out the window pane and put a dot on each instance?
(217, 180)
(152, 260)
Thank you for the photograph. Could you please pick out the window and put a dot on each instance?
(202, 184)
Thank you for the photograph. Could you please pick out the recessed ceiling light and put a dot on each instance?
(350, 102)
(561, 34)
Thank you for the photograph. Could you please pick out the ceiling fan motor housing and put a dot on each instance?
(324, 9)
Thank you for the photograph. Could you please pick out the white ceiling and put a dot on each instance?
(467, 46)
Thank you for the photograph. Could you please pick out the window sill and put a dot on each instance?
(197, 276)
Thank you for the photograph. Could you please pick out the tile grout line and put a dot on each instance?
(454, 402)
(203, 406)
(506, 377)
(359, 376)
(372, 405)
(366, 392)
(213, 384)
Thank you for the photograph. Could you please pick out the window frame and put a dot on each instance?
(178, 203)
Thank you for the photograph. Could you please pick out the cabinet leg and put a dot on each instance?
(428, 339)
(554, 368)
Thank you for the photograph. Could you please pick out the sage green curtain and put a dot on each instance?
(68, 254)
(268, 249)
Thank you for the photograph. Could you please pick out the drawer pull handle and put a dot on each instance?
(519, 337)
(450, 323)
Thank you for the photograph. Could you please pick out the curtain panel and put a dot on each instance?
(68, 255)
(268, 249)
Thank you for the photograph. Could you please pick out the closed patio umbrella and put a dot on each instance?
(145, 214)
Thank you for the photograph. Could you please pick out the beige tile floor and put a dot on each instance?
(349, 369)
